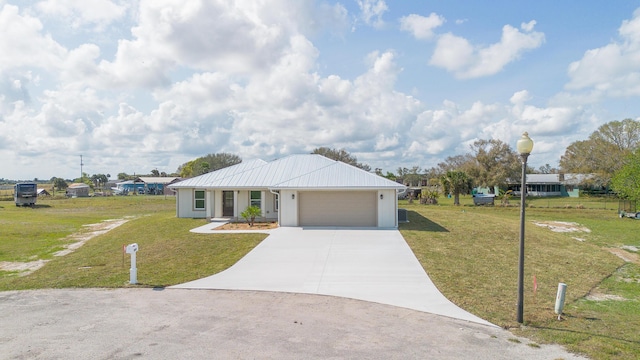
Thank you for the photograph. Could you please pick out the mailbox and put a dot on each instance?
(132, 248)
(133, 271)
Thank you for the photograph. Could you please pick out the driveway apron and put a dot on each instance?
(366, 264)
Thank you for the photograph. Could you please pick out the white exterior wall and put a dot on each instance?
(288, 208)
(268, 206)
(217, 204)
(387, 209)
(209, 203)
(185, 205)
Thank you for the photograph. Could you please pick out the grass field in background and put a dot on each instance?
(169, 254)
(471, 254)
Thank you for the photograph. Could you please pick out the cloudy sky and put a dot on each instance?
(134, 86)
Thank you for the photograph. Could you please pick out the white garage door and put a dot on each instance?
(339, 208)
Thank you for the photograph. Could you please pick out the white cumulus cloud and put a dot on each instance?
(421, 27)
(613, 69)
(372, 11)
(457, 55)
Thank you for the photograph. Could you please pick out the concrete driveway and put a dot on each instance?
(365, 264)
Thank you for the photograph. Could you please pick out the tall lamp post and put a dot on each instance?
(524, 147)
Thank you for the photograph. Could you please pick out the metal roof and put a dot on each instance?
(156, 179)
(308, 171)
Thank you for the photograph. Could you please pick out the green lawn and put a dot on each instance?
(471, 254)
(169, 254)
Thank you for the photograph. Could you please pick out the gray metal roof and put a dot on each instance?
(308, 171)
(209, 179)
(543, 178)
(156, 179)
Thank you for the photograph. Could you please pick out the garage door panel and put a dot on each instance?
(349, 208)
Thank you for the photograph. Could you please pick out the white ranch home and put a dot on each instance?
(298, 190)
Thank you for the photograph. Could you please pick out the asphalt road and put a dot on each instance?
(221, 324)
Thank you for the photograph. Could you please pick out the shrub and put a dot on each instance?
(250, 214)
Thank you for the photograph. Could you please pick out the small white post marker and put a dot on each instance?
(133, 271)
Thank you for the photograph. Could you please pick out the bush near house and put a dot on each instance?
(250, 214)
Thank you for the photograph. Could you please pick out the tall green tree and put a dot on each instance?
(341, 155)
(208, 163)
(605, 151)
(626, 181)
(456, 183)
(494, 163)
(59, 183)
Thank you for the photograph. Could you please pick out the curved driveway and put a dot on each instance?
(365, 264)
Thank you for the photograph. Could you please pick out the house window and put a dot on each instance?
(198, 199)
(256, 199)
(276, 204)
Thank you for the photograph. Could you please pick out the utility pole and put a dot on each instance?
(81, 173)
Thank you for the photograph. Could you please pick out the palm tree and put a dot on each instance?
(455, 182)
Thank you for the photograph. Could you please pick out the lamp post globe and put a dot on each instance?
(524, 144)
(524, 147)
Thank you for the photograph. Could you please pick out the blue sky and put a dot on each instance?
(141, 85)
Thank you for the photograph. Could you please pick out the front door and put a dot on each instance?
(227, 203)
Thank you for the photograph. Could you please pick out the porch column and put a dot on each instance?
(209, 204)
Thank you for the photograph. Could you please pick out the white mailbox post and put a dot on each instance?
(133, 271)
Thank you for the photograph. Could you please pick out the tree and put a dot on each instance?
(341, 155)
(250, 213)
(410, 177)
(124, 176)
(626, 181)
(455, 182)
(208, 163)
(494, 163)
(99, 179)
(605, 151)
(58, 183)
(155, 172)
(547, 169)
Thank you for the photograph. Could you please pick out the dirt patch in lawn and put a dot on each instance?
(245, 226)
(598, 296)
(562, 226)
(76, 240)
(625, 255)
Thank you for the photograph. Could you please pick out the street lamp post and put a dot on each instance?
(524, 147)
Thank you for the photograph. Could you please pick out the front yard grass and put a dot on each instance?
(169, 254)
(471, 254)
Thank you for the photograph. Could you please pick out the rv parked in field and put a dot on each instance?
(25, 194)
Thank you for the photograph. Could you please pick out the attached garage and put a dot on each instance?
(338, 208)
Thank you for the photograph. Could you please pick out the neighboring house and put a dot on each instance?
(298, 190)
(78, 190)
(157, 185)
(552, 184)
(146, 185)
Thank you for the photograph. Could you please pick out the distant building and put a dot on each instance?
(552, 184)
(78, 190)
(43, 192)
(146, 185)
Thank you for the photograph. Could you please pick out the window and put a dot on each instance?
(256, 199)
(198, 197)
(276, 205)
